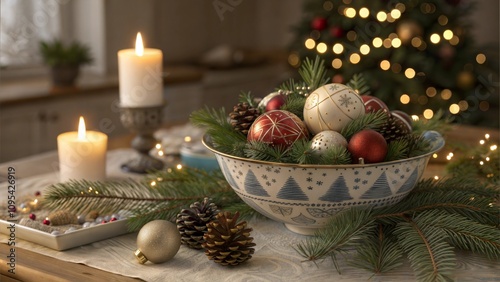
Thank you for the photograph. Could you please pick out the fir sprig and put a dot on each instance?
(359, 84)
(161, 195)
(313, 73)
(373, 120)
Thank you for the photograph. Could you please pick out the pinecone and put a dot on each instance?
(395, 128)
(228, 242)
(192, 222)
(242, 117)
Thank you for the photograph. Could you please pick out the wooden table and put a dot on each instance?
(33, 266)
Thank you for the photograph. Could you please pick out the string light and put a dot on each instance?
(454, 109)
(404, 99)
(480, 58)
(385, 65)
(377, 42)
(321, 47)
(396, 42)
(310, 43)
(364, 12)
(446, 94)
(336, 63)
(364, 49)
(415, 118)
(443, 20)
(431, 91)
(435, 38)
(338, 48)
(381, 16)
(396, 14)
(179, 166)
(454, 40)
(350, 12)
(448, 34)
(355, 58)
(410, 73)
(158, 146)
(428, 113)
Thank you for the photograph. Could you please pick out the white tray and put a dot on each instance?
(69, 240)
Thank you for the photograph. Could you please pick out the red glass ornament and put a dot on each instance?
(275, 102)
(113, 219)
(37, 193)
(404, 118)
(374, 104)
(277, 128)
(369, 145)
(32, 216)
(319, 23)
(337, 31)
(46, 221)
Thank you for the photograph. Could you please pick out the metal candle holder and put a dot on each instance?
(143, 121)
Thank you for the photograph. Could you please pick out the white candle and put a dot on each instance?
(82, 154)
(140, 75)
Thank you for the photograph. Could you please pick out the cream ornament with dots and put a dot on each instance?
(332, 107)
(157, 242)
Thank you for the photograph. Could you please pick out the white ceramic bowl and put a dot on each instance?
(303, 197)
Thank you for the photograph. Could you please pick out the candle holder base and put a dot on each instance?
(142, 164)
(143, 121)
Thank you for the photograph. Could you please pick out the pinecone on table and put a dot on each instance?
(228, 241)
(395, 128)
(242, 117)
(192, 222)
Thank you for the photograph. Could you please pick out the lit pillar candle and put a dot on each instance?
(140, 75)
(82, 154)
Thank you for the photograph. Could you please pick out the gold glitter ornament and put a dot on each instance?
(157, 242)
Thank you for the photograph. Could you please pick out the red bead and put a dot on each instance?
(104, 221)
(46, 221)
(12, 209)
(369, 145)
(374, 104)
(319, 23)
(32, 216)
(275, 102)
(38, 193)
(113, 219)
(277, 128)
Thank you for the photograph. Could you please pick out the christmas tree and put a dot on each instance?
(418, 56)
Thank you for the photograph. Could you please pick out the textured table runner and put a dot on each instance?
(274, 258)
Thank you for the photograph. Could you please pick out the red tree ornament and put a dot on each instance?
(374, 104)
(336, 31)
(369, 145)
(319, 23)
(277, 128)
(275, 102)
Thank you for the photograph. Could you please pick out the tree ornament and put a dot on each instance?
(32, 216)
(277, 128)
(338, 78)
(228, 241)
(192, 222)
(273, 101)
(324, 140)
(331, 107)
(368, 145)
(398, 125)
(242, 117)
(374, 104)
(319, 23)
(157, 242)
(337, 31)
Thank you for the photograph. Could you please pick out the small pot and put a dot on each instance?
(64, 75)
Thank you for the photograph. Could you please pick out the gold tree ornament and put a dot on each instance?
(228, 241)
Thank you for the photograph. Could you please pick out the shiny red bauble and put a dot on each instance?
(369, 145)
(319, 23)
(275, 102)
(374, 104)
(277, 128)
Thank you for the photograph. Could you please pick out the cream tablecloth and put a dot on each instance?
(274, 259)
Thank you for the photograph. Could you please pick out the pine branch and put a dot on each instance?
(223, 136)
(373, 121)
(397, 150)
(295, 104)
(342, 231)
(379, 253)
(313, 73)
(264, 152)
(359, 84)
(439, 122)
(336, 155)
(161, 195)
(246, 97)
(430, 256)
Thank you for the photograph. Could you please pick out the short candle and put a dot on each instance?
(140, 76)
(82, 154)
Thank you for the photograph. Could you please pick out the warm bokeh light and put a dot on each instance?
(448, 34)
(404, 99)
(431, 91)
(480, 58)
(443, 20)
(350, 12)
(354, 58)
(410, 73)
(385, 65)
(396, 42)
(377, 42)
(321, 47)
(396, 14)
(364, 12)
(338, 48)
(446, 94)
(310, 43)
(337, 63)
(364, 49)
(435, 38)
(428, 113)
(381, 16)
(454, 109)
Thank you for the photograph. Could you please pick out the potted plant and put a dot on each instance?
(64, 60)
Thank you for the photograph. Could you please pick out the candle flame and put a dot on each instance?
(81, 129)
(139, 46)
